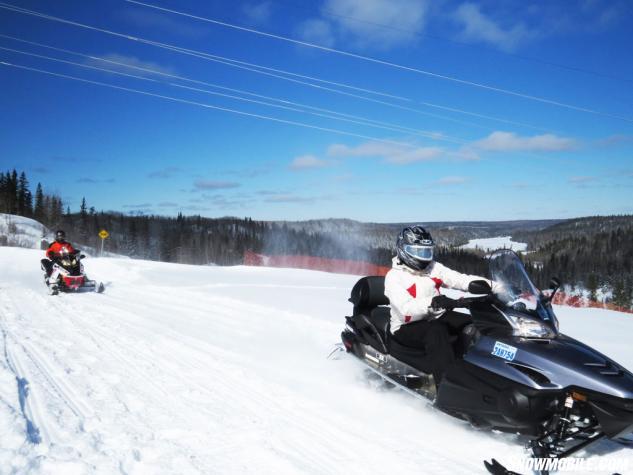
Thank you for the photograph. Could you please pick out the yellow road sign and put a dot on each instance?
(103, 234)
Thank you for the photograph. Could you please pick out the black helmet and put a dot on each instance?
(60, 235)
(415, 247)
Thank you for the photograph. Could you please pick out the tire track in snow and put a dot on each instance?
(232, 387)
(29, 409)
(32, 431)
(324, 438)
(41, 389)
(208, 389)
(114, 347)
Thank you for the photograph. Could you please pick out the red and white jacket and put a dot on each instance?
(410, 292)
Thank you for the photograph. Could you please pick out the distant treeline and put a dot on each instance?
(591, 253)
(596, 253)
(16, 198)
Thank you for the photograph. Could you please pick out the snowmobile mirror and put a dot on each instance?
(554, 285)
(479, 287)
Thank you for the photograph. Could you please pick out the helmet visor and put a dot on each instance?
(422, 253)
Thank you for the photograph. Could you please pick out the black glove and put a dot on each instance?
(443, 302)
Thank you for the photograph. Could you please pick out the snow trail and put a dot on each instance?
(185, 369)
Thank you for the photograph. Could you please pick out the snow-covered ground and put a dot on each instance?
(23, 232)
(494, 243)
(183, 369)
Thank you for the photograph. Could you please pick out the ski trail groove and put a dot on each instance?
(32, 431)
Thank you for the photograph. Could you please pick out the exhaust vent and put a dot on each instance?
(605, 368)
(536, 376)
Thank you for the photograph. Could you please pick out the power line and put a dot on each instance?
(330, 13)
(321, 112)
(130, 37)
(210, 106)
(259, 69)
(264, 70)
(385, 63)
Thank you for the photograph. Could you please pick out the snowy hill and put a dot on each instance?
(23, 232)
(190, 369)
(494, 243)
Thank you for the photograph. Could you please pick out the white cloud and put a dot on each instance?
(394, 154)
(421, 154)
(258, 12)
(358, 20)
(479, 27)
(452, 180)
(317, 31)
(128, 65)
(289, 198)
(500, 141)
(380, 24)
(215, 185)
(308, 161)
(367, 149)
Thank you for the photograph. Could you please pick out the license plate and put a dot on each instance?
(504, 351)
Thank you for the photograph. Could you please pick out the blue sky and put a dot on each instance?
(414, 147)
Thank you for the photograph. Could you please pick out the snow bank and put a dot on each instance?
(492, 244)
(194, 369)
(23, 232)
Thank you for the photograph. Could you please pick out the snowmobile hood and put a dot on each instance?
(552, 364)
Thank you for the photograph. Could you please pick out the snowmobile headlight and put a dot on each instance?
(530, 328)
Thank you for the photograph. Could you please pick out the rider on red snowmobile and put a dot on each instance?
(56, 250)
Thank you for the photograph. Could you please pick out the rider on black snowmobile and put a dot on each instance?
(56, 249)
(420, 316)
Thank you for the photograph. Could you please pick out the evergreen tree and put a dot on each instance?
(39, 211)
(592, 286)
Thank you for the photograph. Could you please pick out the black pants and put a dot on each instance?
(47, 266)
(435, 337)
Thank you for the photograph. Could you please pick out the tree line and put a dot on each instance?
(591, 253)
(16, 198)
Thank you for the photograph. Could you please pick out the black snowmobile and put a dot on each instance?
(514, 372)
(67, 275)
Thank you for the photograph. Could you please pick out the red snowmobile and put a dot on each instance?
(67, 275)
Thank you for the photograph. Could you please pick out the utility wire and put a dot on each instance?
(321, 112)
(333, 83)
(264, 71)
(210, 106)
(419, 34)
(255, 68)
(386, 63)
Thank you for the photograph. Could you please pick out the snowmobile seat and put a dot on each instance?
(371, 316)
(368, 293)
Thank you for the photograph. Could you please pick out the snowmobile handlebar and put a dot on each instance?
(448, 303)
(466, 302)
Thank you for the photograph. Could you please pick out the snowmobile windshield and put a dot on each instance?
(68, 261)
(515, 289)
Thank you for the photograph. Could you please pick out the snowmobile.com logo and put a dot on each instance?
(609, 464)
